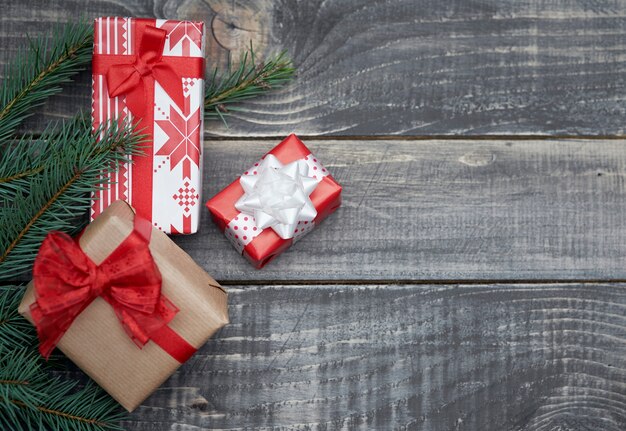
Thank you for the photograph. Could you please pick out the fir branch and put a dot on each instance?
(20, 377)
(15, 331)
(22, 159)
(31, 399)
(61, 191)
(38, 72)
(248, 80)
(66, 408)
(22, 381)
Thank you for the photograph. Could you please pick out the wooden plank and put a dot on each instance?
(443, 210)
(396, 66)
(441, 357)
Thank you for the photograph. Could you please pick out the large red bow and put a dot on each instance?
(67, 281)
(128, 75)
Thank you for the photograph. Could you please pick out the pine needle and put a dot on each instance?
(22, 381)
(247, 81)
(38, 72)
(21, 160)
(61, 191)
(15, 331)
(65, 407)
(31, 399)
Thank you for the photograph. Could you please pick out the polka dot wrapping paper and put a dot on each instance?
(261, 245)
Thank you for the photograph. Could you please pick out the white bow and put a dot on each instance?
(278, 195)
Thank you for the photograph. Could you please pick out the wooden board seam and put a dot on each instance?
(276, 138)
(520, 137)
(425, 282)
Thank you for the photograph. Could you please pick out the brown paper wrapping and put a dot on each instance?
(97, 342)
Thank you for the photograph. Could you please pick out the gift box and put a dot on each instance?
(123, 302)
(275, 202)
(151, 72)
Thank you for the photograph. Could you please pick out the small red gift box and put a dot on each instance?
(275, 202)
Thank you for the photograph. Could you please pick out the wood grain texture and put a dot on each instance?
(314, 351)
(443, 357)
(443, 210)
(394, 66)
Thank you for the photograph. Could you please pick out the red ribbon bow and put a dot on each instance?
(67, 281)
(129, 78)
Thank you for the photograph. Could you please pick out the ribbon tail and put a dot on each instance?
(136, 100)
(46, 347)
(47, 343)
(171, 83)
(141, 326)
(50, 329)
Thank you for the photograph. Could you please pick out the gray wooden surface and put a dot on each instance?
(411, 67)
(435, 357)
(474, 282)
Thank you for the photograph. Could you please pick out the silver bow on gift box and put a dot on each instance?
(278, 195)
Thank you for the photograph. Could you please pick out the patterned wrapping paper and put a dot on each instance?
(164, 184)
(260, 246)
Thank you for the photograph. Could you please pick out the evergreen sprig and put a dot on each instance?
(38, 72)
(15, 331)
(67, 407)
(22, 384)
(248, 80)
(61, 192)
(32, 400)
(24, 158)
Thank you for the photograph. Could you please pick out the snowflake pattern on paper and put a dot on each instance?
(187, 197)
(183, 143)
(187, 32)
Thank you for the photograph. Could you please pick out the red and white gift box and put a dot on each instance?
(261, 244)
(132, 60)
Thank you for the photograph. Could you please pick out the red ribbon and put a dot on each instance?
(67, 281)
(135, 77)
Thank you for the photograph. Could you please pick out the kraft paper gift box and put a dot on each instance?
(150, 72)
(276, 202)
(97, 342)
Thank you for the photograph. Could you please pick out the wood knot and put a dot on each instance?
(236, 26)
(200, 404)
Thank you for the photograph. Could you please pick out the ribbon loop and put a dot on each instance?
(67, 281)
(148, 64)
(152, 44)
